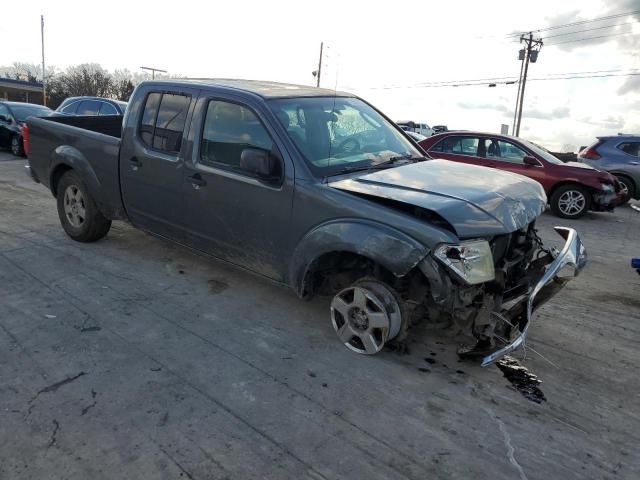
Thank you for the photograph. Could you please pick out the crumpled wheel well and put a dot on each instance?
(333, 271)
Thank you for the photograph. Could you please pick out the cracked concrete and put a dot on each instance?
(203, 371)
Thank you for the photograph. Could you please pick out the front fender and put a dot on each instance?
(391, 248)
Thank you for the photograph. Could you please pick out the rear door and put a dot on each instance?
(461, 148)
(151, 160)
(229, 212)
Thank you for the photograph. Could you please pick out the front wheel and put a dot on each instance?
(17, 146)
(78, 212)
(367, 315)
(570, 201)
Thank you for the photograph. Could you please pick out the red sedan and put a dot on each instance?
(572, 188)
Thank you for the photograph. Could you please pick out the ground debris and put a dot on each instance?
(523, 380)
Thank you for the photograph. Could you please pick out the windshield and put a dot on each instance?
(22, 112)
(543, 152)
(339, 133)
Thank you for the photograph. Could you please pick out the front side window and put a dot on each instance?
(230, 128)
(89, 107)
(71, 109)
(107, 109)
(630, 148)
(163, 120)
(504, 151)
(338, 133)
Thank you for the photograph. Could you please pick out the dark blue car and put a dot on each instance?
(619, 155)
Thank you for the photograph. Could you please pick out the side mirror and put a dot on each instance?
(530, 161)
(261, 163)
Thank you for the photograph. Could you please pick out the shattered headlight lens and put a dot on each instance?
(606, 187)
(472, 261)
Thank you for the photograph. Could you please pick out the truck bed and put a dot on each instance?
(91, 145)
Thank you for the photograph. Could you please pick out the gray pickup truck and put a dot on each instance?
(321, 192)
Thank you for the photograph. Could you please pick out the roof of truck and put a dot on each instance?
(262, 88)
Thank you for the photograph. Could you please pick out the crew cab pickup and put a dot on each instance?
(319, 191)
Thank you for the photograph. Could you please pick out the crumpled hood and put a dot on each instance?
(476, 201)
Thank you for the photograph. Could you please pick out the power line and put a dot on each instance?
(590, 30)
(469, 83)
(582, 22)
(592, 38)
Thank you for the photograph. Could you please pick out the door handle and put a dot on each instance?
(197, 181)
(634, 163)
(135, 164)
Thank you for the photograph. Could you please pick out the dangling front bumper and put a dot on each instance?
(567, 264)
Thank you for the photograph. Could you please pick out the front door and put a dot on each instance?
(510, 157)
(229, 211)
(152, 159)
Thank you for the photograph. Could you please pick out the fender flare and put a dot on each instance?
(387, 246)
(68, 157)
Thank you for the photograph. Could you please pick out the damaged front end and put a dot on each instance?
(491, 289)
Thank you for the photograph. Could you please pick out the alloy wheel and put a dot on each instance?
(365, 316)
(572, 203)
(74, 206)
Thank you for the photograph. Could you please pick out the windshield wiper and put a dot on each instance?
(381, 165)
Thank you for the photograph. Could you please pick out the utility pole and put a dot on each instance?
(515, 110)
(531, 55)
(317, 73)
(153, 71)
(44, 78)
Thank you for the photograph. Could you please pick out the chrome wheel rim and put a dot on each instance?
(365, 317)
(74, 206)
(572, 202)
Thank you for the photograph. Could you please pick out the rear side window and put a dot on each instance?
(630, 148)
(88, 107)
(163, 119)
(458, 145)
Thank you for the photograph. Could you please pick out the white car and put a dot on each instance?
(421, 128)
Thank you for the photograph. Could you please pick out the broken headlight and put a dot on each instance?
(472, 261)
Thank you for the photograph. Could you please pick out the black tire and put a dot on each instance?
(17, 146)
(78, 212)
(564, 194)
(631, 188)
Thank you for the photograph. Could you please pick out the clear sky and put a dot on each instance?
(369, 45)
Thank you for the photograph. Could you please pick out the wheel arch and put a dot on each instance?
(391, 252)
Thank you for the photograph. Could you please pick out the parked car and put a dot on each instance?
(13, 116)
(619, 155)
(253, 173)
(415, 136)
(91, 106)
(439, 128)
(421, 128)
(572, 188)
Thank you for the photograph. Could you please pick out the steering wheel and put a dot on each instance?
(348, 146)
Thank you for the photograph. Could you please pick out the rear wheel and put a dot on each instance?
(367, 315)
(628, 188)
(17, 147)
(78, 212)
(570, 201)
